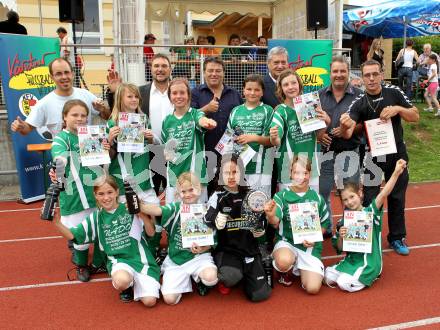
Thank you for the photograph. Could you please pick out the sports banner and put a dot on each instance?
(310, 58)
(25, 80)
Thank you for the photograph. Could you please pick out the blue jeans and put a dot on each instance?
(405, 75)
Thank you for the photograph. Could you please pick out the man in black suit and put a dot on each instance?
(156, 105)
(277, 62)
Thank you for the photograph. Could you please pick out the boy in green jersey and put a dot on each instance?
(359, 270)
(253, 119)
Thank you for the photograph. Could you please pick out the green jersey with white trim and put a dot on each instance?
(171, 223)
(136, 165)
(365, 267)
(293, 142)
(120, 236)
(78, 193)
(285, 197)
(257, 122)
(190, 150)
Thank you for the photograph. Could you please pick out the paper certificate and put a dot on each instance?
(193, 226)
(359, 231)
(306, 225)
(305, 107)
(131, 137)
(227, 145)
(380, 136)
(91, 150)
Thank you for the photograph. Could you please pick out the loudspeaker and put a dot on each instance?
(317, 14)
(71, 11)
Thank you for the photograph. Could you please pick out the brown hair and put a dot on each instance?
(302, 160)
(370, 62)
(213, 59)
(159, 55)
(351, 186)
(69, 105)
(254, 78)
(120, 92)
(59, 59)
(180, 80)
(286, 73)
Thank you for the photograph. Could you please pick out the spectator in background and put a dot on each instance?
(212, 41)
(423, 60)
(406, 71)
(357, 82)
(232, 53)
(11, 25)
(262, 41)
(185, 60)
(260, 56)
(376, 53)
(65, 52)
(149, 39)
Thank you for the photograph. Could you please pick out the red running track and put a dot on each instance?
(408, 289)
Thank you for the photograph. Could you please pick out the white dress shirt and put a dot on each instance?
(160, 107)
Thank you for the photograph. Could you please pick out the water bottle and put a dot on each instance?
(268, 270)
(131, 198)
(50, 202)
(60, 168)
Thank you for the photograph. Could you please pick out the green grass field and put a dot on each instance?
(423, 143)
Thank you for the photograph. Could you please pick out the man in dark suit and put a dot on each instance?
(11, 25)
(153, 93)
(277, 62)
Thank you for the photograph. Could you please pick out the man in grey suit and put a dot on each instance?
(277, 62)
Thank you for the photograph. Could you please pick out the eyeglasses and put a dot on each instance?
(371, 75)
(61, 74)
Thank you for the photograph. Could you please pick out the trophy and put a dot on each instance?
(252, 210)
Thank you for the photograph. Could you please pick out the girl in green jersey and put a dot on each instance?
(76, 199)
(120, 235)
(183, 135)
(285, 131)
(134, 165)
(359, 270)
(182, 263)
(303, 259)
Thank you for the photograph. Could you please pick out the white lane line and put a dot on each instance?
(20, 210)
(415, 247)
(45, 285)
(29, 239)
(411, 324)
(337, 215)
(31, 286)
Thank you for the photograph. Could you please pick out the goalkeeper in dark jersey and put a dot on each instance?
(237, 254)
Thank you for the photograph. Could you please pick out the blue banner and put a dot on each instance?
(25, 77)
(310, 58)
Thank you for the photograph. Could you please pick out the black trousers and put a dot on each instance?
(396, 200)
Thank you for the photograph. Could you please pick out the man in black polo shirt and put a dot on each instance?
(340, 158)
(384, 102)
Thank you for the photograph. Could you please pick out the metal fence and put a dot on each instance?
(133, 63)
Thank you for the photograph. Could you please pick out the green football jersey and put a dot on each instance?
(136, 165)
(254, 121)
(78, 193)
(120, 236)
(365, 267)
(190, 149)
(285, 197)
(171, 223)
(293, 142)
